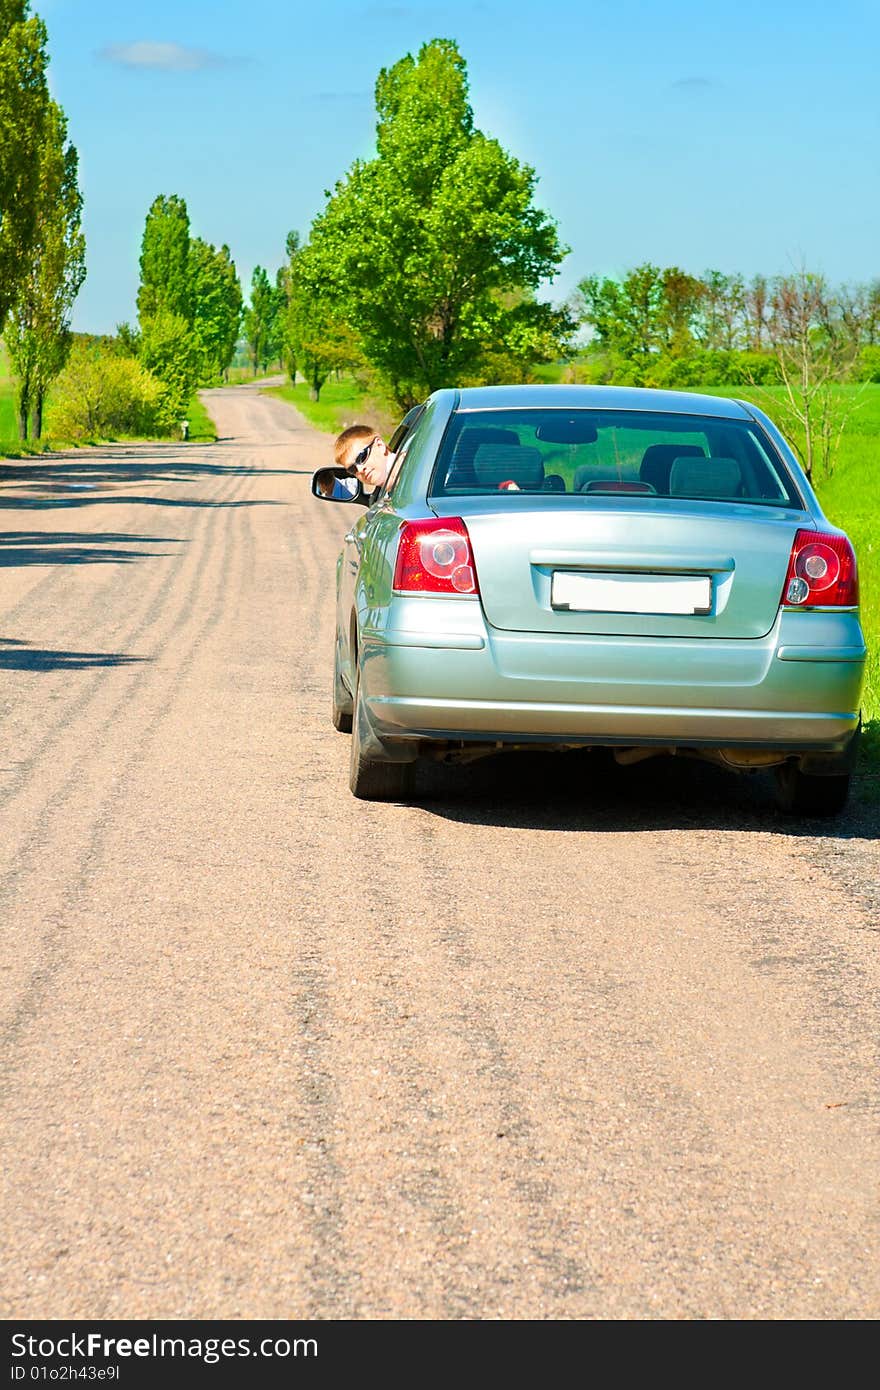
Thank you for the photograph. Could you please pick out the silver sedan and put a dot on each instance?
(574, 567)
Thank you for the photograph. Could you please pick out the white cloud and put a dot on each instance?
(166, 57)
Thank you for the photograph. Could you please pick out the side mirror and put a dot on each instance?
(335, 485)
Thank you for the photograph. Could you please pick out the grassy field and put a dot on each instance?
(849, 497)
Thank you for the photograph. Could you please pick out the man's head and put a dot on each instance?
(365, 454)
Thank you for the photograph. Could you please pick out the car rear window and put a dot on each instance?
(601, 453)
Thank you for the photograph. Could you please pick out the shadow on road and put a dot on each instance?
(41, 504)
(589, 792)
(137, 464)
(74, 548)
(22, 657)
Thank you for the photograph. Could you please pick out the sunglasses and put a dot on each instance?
(360, 459)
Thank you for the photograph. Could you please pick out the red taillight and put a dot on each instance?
(434, 557)
(821, 572)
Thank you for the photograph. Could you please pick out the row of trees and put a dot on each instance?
(653, 313)
(189, 306)
(42, 247)
(142, 380)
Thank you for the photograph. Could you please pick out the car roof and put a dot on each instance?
(598, 398)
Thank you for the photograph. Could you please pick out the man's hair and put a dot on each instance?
(355, 434)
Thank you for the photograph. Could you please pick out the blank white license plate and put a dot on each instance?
(631, 593)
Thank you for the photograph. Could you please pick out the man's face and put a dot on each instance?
(376, 466)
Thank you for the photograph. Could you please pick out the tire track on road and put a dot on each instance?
(55, 806)
(128, 632)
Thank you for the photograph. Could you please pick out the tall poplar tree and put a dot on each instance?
(23, 106)
(315, 340)
(166, 283)
(167, 344)
(263, 319)
(217, 303)
(38, 333)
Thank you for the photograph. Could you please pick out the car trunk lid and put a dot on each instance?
(659, 569)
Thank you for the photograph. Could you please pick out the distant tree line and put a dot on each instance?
(189, 307)
(665, 327)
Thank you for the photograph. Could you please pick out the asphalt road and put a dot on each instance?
(557, 1041)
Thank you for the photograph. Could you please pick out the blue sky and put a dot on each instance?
(743, 136)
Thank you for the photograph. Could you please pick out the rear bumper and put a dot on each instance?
(434, 669)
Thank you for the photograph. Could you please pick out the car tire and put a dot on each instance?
(800, 794)
(342, 703)
(369, 778)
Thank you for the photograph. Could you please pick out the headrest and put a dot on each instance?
(472, 436)
(657, 461)
(702, 477)
(500, 463)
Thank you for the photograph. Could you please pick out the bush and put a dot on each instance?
(753, 368)
(102, 395)
(702, 369)
(868, 364)
(681, 373)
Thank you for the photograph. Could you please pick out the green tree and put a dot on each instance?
(128, 340)
(315, 340)
(166, 282)
(285, 285)
(629, 316)
(682, 297)
(217, 301)
(533, 333)
(725, 311)
(23, 107)
(38, 334)
(416, 246)
(756, 308)
(263, 320)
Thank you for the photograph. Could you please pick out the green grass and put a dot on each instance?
(8, 428)
(342, 403)
(850, 499)
(202, 429)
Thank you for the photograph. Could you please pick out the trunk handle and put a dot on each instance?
(669, 562)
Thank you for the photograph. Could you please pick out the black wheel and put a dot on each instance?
(370, 779)
(342, 705)
(800, 794)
